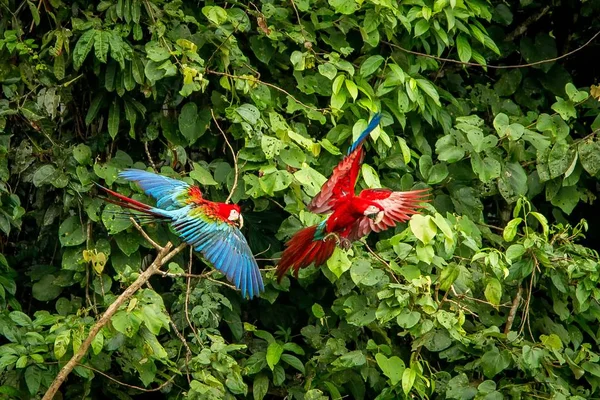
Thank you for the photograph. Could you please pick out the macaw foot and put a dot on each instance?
(333, 235)
(345, 243)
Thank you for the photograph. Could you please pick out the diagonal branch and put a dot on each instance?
(164, 255)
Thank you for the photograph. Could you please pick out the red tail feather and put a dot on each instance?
(126, 202)
(302, 250)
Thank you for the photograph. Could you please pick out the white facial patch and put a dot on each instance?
(234, 215)
(371, 210)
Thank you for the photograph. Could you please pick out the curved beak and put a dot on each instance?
(377, 218)
(240, 221)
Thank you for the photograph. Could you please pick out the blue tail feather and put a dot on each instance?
(372, 125)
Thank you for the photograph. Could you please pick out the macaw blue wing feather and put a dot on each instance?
(168, 193)
(224, 246)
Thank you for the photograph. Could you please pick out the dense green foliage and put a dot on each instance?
(487, 295)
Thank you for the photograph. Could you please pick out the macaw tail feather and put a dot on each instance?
(372, 125)
(131, 204)
(303, 249)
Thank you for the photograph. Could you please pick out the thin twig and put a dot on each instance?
(144, 234)
(39, 6)
(385, 263)
(521, 29)
(513, 311)
(187, 295)
(220, 282)
(233, 154)
(141, 389)
(470, 64)
(150, 157)
(253, 79)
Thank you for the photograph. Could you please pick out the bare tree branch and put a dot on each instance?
(165, 254)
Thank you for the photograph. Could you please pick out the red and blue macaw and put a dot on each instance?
(352, 217)
(209, 227)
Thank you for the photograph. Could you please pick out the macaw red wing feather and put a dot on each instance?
(343, 178)
(340, 184)
(302, 250)
(397, 207)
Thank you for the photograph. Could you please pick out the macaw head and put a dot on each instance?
(231, 212)
(372, 210)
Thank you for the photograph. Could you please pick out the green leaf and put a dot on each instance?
(408, 319)
(20, 318)
(370, 65)
(294, 348)
(61, 343)
(337, 84)
(589, 156)
(493, 362)
(114, 118)
(215, 14)
(513, 182)
(33, 378)
(328, 70)
(493, 291)
(193, 124)
(449, 274)
(423, 227)
(83, 154)
(113, 221)
(430, 90)
(566, 109)
(542, 220)
(464, 48)
(21, 362)
(274, 352)
(392, 367)
(249, 113)
(408, 380)
(275, 182)
(344, 6)
(35, 14)
(566, 199)
(421, 27)
(318, 311)
(45, 289)
(202, 175)
(101, 40)
(311, 180)
(510, 230)
(260, 386)
(370, 176)
(43, 175)
(71, 233)
(293, 362)
(98, 343)
(338, 263)
(83, 47)
(351, 359)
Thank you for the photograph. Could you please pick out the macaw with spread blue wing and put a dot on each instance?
(352, 216)
(211, 228)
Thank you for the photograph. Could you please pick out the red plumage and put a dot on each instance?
(302, 250)
(351, 218)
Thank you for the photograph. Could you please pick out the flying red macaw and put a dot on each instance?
(209, 227)
(352, 216)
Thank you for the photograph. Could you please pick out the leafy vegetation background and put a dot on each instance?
(491, 294)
